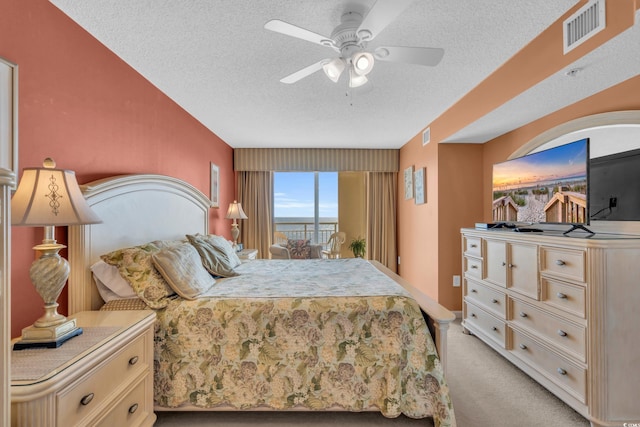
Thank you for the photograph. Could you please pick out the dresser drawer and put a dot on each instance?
(569, 376)
(91, 391)
(491, 300)
(485, 323)
(567, 297)
(473, 246)
(473, 267)
(562, 263)
(132, 409)
(566, 336)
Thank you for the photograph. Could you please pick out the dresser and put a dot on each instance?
(103, 377)
(562, 309)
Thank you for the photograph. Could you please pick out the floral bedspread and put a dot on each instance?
(318, 334)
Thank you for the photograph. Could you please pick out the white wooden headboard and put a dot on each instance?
(135, 209)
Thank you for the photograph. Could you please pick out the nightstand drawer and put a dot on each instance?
(90, 392)
(566, 336)
(132, 409)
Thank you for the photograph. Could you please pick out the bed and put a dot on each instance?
(336, 335)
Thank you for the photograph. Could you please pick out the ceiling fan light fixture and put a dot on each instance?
(333, 69)
(362, 63)
(357, 80)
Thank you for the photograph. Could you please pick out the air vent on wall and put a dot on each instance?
(426, 136)
(584, 24)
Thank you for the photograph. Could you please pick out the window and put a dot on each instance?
(306, 205)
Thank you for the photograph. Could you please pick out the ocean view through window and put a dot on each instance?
(306, 205)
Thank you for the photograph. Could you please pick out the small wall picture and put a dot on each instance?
(215, 186)
(408, 183)
(9, 118)
(420, 185)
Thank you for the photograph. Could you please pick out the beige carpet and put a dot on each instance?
(486, 389)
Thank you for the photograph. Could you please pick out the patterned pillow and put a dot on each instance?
(136, 267)
(182, 268)
(213, 258)
(125, 304)
(221, 245)
(299, 249)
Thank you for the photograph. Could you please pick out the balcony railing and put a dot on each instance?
(306, 230)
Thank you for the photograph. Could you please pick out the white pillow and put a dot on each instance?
(111, 285)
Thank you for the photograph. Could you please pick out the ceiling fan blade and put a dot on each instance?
(429, 56)
(294, 31)
(301, 74)
(381, 14)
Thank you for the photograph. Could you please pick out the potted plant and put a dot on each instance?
(358, 247)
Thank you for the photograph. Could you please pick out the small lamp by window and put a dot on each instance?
(47, 197)
(235, 213)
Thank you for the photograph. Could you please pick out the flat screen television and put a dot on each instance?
(614, 191)
(549, 186)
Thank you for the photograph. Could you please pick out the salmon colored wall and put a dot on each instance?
(460, 204)
(418, 230)
(82, 105)
(462, 172)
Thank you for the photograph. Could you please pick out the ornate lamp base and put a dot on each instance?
(49, 337)
(49, 273)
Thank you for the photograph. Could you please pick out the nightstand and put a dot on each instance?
(248, 254)
(102, 377)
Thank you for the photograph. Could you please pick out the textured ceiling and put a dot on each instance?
(215, 59)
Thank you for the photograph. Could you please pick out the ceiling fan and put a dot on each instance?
(350, 40)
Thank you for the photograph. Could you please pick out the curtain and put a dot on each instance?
(315, 159)
(255, 192)
(381, 230)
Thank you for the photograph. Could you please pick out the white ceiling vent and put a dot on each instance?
(426, 136)
(584, 24)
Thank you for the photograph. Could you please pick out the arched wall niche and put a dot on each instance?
(608, 133)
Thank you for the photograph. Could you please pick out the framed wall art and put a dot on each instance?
(215, 186)
(9, 118)
(408, 183)
(420, 185)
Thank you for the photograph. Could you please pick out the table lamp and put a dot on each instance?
(235, 213)
(47, 197)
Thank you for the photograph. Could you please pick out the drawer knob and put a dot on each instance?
(523, 314)
(494, 328)
(504, 263)
(133, 360)
(473, 245)
(495, 301)
(522, 346)
(474, 291)
(133, 408)
(473, 315)
(562, 333)
(562, 371)
(86, 399)
(561, 295)
(560, 262)
(511, 266)
(473, 266)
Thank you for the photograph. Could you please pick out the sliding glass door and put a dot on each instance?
(306, 205)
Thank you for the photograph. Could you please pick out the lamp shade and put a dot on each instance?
(334, 68)
(50, 197)
(235, 211)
